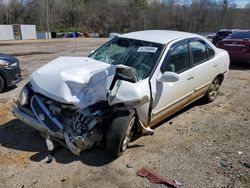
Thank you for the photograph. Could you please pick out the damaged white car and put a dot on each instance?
(126, 86)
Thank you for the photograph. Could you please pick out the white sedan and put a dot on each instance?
(124, 87)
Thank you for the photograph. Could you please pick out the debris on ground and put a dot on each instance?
(240, 152)
(223, 163)
(207, 144)
(245, 163)
(129, 166)
(63, 180)
(153, 177)
(177, 183)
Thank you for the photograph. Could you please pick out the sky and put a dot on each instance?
(239, 3)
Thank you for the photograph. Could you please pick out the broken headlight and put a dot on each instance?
(24, 96)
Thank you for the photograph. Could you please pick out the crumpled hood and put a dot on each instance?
(81, 81)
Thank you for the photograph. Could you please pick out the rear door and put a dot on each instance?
(205, 65)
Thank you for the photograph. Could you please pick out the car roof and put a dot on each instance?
(158, 36)
(228, 30)
(243, 30)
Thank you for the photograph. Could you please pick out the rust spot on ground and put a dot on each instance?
(5, 114)
(17, 159)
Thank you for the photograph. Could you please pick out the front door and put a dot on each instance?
(168, 97)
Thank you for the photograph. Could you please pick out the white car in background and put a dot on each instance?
(126, 86)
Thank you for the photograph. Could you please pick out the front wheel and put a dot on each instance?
(213, 90)
(120, 133)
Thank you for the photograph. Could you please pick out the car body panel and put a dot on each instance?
(74, 80)
(238, 49)
(237, 45)
(11, 75)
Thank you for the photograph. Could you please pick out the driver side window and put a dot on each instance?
(178, 59)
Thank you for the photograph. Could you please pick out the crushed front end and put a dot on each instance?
(78, 129)
(76, 107)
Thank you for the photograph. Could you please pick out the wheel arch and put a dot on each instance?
(221, 77)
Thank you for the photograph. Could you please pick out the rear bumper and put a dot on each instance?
(239, 56)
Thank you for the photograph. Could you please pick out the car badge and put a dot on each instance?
(41, 117)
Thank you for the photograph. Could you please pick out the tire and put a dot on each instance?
(1, 83)
(213, 90)
(120, 133)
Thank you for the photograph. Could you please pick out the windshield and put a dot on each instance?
(240, 35)
(140, 55)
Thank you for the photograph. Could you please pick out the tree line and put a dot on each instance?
(125, 15)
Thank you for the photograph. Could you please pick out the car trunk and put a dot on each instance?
(236, 45)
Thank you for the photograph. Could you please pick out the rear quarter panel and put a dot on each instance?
(223, 58)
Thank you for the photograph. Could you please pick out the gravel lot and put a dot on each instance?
(188, 147)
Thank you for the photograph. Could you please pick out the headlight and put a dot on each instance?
(24, 96)
(7, 64)
(4, 63)
(13, 64)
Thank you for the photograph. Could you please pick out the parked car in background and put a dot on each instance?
(237, 45)
(211, 35)
(223, 33)
(10, 73)
(113, 35)
(126, 86)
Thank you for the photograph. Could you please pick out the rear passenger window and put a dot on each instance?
(199, 52)
(210, 52)
(177, 61)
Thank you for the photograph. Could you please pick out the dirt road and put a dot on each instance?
(200, 147)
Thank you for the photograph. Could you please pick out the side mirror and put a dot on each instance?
(169, 77)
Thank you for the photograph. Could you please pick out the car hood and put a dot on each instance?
(74, 80)
(8, 58)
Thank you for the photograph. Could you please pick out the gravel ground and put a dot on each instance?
(201, 146)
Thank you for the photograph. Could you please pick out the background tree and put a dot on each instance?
(126, 15)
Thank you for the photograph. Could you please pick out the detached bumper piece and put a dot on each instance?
(44, 116)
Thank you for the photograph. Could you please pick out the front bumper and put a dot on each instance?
(33, 122)
(12, 76)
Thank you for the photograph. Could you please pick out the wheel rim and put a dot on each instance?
(128, 134)
(214, 89)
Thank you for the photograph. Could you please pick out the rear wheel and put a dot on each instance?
(120, 133)
(1, 83)
(213, 90)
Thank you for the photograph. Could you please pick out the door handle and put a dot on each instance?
(190, 78)
(215, 65)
